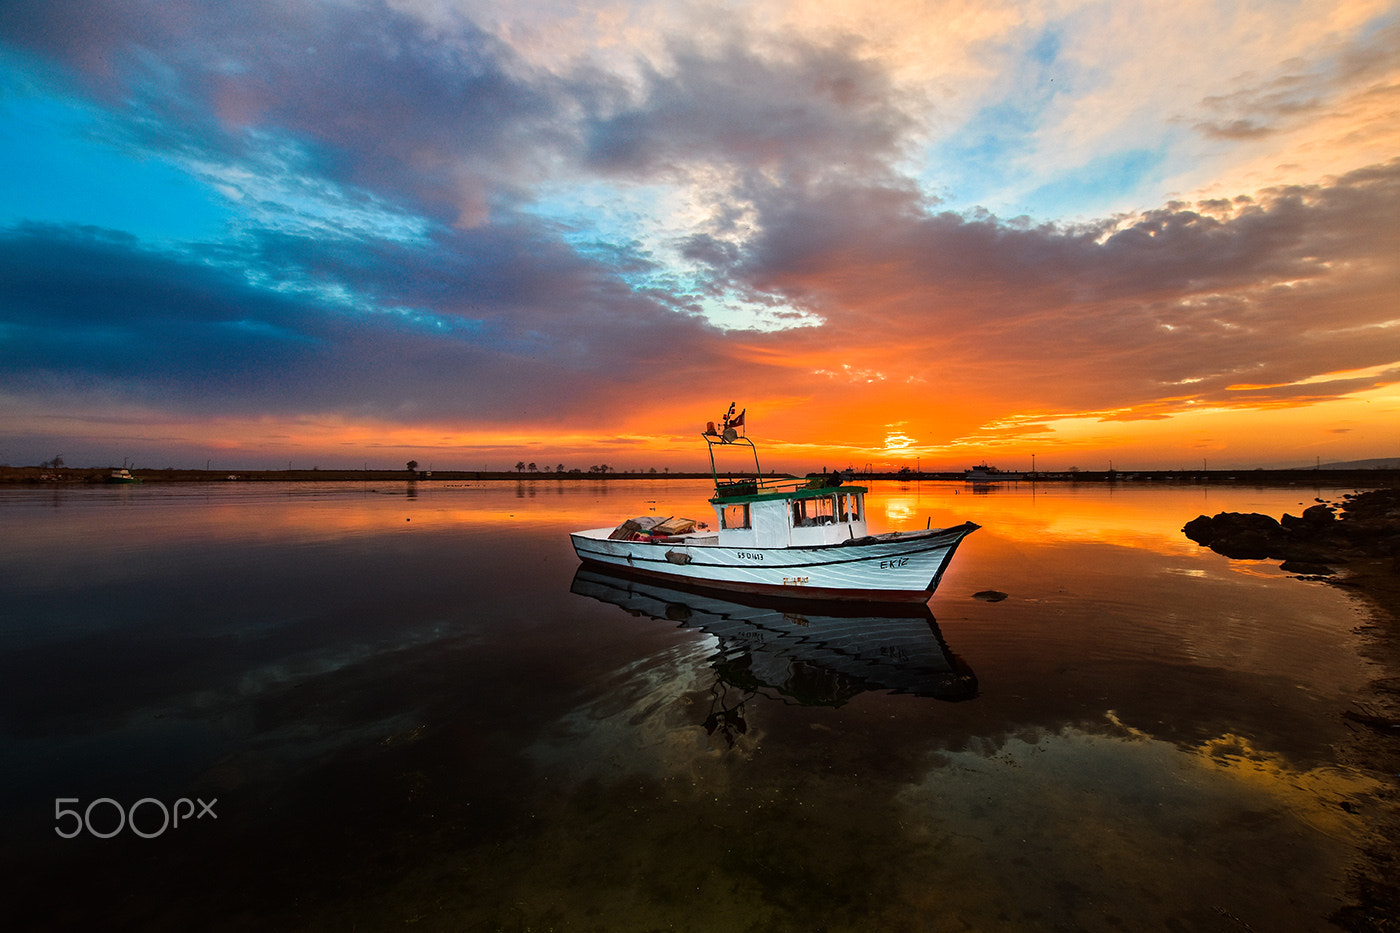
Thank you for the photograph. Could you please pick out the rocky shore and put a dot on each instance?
(1353, 544)
(1365, 526)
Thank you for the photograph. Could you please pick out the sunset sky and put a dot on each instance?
(339, 233)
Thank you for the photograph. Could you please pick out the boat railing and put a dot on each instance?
(763, 485)
(730, 438)
(755, 483)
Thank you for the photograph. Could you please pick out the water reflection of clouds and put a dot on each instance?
(647, 717)
(1074, 819)
(1132, 514)
(311, 512)
(1177, 828)
(899, 511)
(1047, 518)
(1315, 795)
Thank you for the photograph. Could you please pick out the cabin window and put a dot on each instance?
(820, 510)
(850, 507)
(735, 516)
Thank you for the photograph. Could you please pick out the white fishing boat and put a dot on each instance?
(798, 537)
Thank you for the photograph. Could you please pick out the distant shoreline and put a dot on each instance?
(1361, 479)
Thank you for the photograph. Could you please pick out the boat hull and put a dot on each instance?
(903, 567)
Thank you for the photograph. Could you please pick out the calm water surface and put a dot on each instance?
(405, 706)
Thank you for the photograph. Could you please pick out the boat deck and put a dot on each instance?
(707, 538)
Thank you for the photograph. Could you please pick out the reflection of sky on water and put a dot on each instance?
(1153, 738)
(1124, 819)
(1139, 514)
(899, 512)
(1058, 828)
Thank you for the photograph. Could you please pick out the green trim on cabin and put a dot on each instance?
(791, 494)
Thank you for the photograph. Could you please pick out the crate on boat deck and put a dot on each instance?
(650, 528)
(675, 525)
(626, 531)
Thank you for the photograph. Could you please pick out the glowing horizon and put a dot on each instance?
(471, 233)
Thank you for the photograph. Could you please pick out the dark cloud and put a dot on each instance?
(455, 124)
(1294, 285)
(370, 97)
(478, 326)
(490, 325)
(804, 112)
(85, 32)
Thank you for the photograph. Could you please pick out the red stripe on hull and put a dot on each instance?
(829, 594)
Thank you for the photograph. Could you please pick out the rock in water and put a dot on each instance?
(1240, 535)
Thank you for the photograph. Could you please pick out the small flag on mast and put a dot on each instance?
(730, 421)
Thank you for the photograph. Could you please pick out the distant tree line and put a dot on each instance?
(522, 467)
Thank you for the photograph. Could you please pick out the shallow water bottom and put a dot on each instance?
(1073, 830)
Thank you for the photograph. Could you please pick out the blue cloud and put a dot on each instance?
(301, 324)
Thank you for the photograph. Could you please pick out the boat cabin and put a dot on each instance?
(782, 512)
(791, 517)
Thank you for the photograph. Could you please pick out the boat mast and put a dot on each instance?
(728, 435)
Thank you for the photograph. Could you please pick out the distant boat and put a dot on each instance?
(989, 474)
(796, 537)
(122, 475)
(818, 654)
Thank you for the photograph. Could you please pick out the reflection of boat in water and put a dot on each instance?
(988, 474)
(818, 654)
(782, 535)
